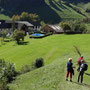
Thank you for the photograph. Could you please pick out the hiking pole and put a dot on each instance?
(77, 50)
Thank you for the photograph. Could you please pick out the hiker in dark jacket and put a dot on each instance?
(69, 69)
(81, 71)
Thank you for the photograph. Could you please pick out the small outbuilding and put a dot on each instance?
(53, 29)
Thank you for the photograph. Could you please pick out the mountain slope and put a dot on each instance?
(77, 1)
(50, 11)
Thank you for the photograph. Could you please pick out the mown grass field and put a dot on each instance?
(55, 50)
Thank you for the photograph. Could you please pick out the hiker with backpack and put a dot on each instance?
(83, 68)
(79, 62)
(69, 69)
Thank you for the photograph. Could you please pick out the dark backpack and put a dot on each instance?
(85, 67)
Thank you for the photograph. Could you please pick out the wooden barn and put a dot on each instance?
(53, 29)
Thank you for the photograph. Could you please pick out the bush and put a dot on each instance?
(86, 20)
(25, 69)
(87, 10)
(80, 28)
(7, 71)
(39, 62)
(66, 26)
(73, 27)
(3, 85)
(7, 74)
(4, 34)
(18, 35)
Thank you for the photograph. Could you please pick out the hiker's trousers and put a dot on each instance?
(80, 76)
(67, 74)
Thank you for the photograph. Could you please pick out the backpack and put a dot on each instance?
(85, 67)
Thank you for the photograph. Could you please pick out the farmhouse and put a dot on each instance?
(7, 24)
(53, 29)
(18, 24)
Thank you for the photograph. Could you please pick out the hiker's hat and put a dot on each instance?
(70, 59)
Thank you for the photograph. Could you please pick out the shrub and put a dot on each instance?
(3, 86)
(7, 74)
(7, 71)
(39, 62)
(25, 69)
(80, 28)
(4, 33)
(86, 20)
(18, 35)
(66, 26)
(87, 10)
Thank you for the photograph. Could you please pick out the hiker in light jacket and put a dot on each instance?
(81, 71)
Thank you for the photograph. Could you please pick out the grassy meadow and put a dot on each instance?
(2, 16)
(55, 50)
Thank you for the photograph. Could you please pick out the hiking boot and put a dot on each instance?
(81, 82)
(66, 79)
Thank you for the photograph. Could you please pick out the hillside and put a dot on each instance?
(77, 1)
(2, 16)
(50, 11)
(55, 50)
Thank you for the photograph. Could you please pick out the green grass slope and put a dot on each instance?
(4, 17)
(65, 11)
(55, 50)
(50, 77)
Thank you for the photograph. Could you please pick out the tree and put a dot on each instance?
(15, 17)
(4, 33)
(25, 16)
(80, 28)
(66, 26)
(43, 24)
(18, 35)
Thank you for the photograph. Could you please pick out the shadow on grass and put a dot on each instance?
(83, 84)
(23, 43)
(6, 40)
(87, 74)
